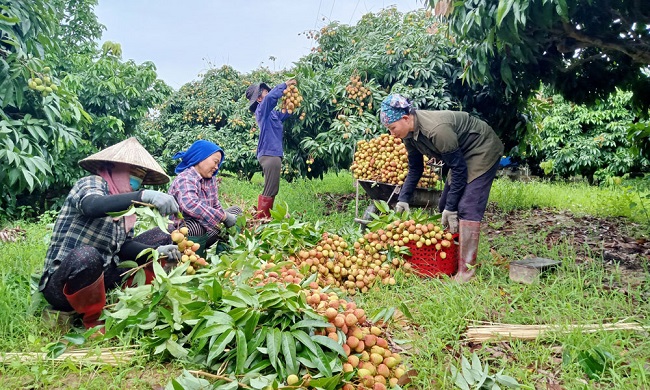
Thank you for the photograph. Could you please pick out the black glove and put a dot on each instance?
(170, 251)
(166, 204)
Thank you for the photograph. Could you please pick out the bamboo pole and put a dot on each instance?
(482, 333)
(113, 356)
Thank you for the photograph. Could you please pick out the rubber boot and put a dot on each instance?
(468, 236)
(264, 204)
(89, 302)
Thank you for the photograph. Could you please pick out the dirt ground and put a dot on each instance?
(617, 240)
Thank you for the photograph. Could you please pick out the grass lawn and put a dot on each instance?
(585, 289)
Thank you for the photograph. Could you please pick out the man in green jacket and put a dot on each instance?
(468, 147)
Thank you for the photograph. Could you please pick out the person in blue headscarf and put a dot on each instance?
(196, 190)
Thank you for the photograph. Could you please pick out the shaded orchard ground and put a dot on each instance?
(615, 240)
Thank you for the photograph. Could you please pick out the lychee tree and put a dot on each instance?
(62, 98)
(343, 80)
(39, 118)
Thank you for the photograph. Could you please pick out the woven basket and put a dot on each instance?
(426, 260)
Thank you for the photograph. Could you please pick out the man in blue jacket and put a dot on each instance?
(262, 103)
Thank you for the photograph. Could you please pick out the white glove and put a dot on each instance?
(170, 251)
(402, 206)
(166, 204)
(230, 220)
(450, 219)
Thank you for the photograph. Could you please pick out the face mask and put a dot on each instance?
(135, 182)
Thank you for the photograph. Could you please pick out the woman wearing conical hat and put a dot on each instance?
(87, 244)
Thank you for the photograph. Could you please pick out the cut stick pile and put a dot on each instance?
(111, 356)
(482, 333)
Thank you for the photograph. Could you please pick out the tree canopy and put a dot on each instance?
(585, 49)
(61, 96)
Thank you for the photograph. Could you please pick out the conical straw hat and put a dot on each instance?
(127, 152)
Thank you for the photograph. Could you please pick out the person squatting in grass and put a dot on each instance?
(262, 102)
(469, 148)
(196, 189)
(88, 245)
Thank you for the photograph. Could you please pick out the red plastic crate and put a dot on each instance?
(426, 260)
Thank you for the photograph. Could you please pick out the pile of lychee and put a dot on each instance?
(291, 100)
(372, 258)
(384, 159)
(188, 249)
(353, 271)
(42, 82)
(271, 273)
(366, 345)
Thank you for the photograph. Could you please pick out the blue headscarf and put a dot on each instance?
(199, 151)
(393, 108)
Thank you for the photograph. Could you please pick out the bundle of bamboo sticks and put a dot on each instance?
(113, 356)
(480, 333)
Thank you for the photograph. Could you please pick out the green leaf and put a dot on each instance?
(502, 10)
(289, 352)
(273, 341)
(241, 349)
(233, 301)
(321, 360)
(507, 381)
(217, 291)
(328, 383)
(127, 264)
(56, 350)
(75, 338)
(458, 379)
(221, 344)
(330, 344)
(251, 324)
(468, 374)
(215, 329)
(175, 349)
(311, 324)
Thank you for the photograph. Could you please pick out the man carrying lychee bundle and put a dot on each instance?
(88, 244)
(469, 148)
(262, 102)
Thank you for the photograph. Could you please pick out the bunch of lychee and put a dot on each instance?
(188, 249)
(273, 273)
(291, 100)
(42, 82)
(384, 159)
(357, 91)
(369, 356)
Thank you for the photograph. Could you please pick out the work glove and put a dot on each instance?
(450, 219)
(402, 206)
(230, 219)
(235, 210)
(170, 251)
(166, 204)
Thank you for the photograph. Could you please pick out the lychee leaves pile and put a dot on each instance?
(256, 335)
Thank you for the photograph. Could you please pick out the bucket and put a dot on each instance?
(426, 260)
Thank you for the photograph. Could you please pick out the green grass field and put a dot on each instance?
(578, 292)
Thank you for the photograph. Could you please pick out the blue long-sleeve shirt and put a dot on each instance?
(270, 123)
